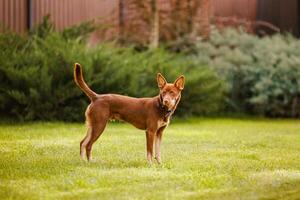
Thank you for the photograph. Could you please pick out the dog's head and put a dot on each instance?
(170, 93)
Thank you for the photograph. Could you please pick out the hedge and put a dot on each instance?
(36, 74)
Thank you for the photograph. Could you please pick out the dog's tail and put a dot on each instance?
(81, 83)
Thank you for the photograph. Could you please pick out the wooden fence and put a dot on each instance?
(20, 15)
(14, 14)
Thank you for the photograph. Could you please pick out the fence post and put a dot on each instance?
(29, 14)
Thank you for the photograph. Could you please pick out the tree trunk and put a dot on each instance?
(154, 35)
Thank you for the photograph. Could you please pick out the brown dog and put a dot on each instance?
(150, 114)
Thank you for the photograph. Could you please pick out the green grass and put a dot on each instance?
(203, 159)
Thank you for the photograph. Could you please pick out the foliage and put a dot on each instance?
(80, 31)
(77, 32)
(43, 29)
(262, 73)
(36, 74)
(36, 78)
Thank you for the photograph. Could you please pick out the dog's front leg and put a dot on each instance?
(158, 143)
(150, 135)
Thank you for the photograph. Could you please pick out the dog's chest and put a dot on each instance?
(163, 122)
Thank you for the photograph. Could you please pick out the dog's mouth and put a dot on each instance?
(168, 107)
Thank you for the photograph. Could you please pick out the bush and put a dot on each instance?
(36, 74)
(262, 73)
(36, 78)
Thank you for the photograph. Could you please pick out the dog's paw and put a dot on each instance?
(158, 160)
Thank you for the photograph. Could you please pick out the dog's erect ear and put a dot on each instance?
(161, 81)
(179, 83)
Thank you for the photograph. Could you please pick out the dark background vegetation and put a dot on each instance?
(36, 73)
(231, 72)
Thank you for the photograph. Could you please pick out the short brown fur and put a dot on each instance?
(150, 114)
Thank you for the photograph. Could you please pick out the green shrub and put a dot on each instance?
(262, 73)
(36, 74)
(36, 78)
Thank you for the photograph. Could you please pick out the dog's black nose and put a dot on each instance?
(166, 102)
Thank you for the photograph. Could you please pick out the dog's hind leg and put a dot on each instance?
(84, 142)
(96, 131)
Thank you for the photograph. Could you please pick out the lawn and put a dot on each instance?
(203, 159)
